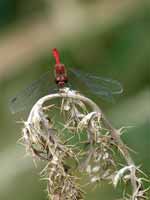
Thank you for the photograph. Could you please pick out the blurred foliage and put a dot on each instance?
(7, 12)
(12, 11)
(121, 52)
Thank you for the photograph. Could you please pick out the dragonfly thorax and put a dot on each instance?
(60, 75)
(60, 69)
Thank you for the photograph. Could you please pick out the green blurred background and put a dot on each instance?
(109, 38)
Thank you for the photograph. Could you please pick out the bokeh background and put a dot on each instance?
(108, 38)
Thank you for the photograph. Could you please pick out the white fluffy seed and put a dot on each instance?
(88, 169)
(94, 179)
(95, 169)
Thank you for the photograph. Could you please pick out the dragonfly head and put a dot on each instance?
(61, 84)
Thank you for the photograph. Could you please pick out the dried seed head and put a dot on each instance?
(54, 142)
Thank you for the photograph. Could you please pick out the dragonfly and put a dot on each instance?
(105, 88)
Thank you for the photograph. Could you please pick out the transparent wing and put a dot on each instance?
(28, 96)
(103, 87)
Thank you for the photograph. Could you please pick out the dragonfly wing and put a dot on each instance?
(103, 87)
(101, 91)
(28, 96)
(113, 86)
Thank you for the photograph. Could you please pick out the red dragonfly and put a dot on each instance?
(61, 77)
(106, 88)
